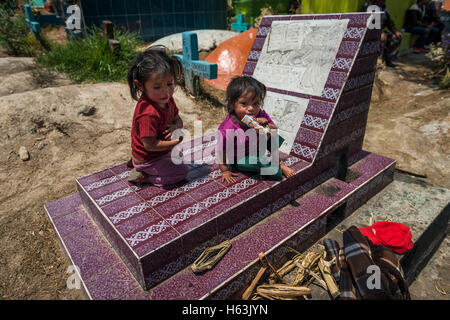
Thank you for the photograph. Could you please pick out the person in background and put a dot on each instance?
(390, 40)
(433, 15)
(415, 23)
(58, 8)
(295, 7)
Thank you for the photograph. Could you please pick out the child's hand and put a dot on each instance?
(262, 121)
(228, 176)
(166, 135)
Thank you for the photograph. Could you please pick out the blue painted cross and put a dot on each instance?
(31, 22)
(192, 66)
(240, 26)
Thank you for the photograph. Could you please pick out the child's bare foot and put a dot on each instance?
(286, 171)
(137, 177)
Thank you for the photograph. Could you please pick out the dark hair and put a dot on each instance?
(154, 60)
(243, 84)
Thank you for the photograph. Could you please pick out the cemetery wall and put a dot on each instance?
(157, 18)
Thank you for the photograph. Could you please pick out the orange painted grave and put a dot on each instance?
(231, 56)
(446, 5)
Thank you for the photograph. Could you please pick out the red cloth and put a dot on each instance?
(392, 235)
(150, 120)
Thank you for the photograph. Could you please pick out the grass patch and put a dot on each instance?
(15, 36)
(445, 82)
(91, 59)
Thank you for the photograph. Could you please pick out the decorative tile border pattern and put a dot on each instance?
(147, 233)
(254, 55)
(314, 122)
(304, 152)
(342, 64)
(114, 196)
(330, 93)
(263, 31)
(354, 33)
(125, 214)
(183, 189)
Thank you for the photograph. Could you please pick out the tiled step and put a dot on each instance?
(105, 276)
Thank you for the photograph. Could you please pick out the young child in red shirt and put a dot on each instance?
(152, 80)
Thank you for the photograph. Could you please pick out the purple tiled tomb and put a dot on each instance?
(137, 242)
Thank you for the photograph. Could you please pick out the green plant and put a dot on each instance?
(445, 82)
(91, 59)
(14, 32)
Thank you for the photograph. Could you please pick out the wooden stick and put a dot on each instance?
(287, 267)
(317, 278)
(308, 262)
(329, 279)
(248, 292)
(273, 269)
(282, 291)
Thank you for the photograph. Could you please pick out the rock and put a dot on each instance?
(41, 145)
(10, 65)
(23, 154)
(88, 111)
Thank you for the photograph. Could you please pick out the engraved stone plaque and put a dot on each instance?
(287, 112)
(297, 55)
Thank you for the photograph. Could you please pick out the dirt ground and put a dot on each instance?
(409, 119)
(71, 130)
